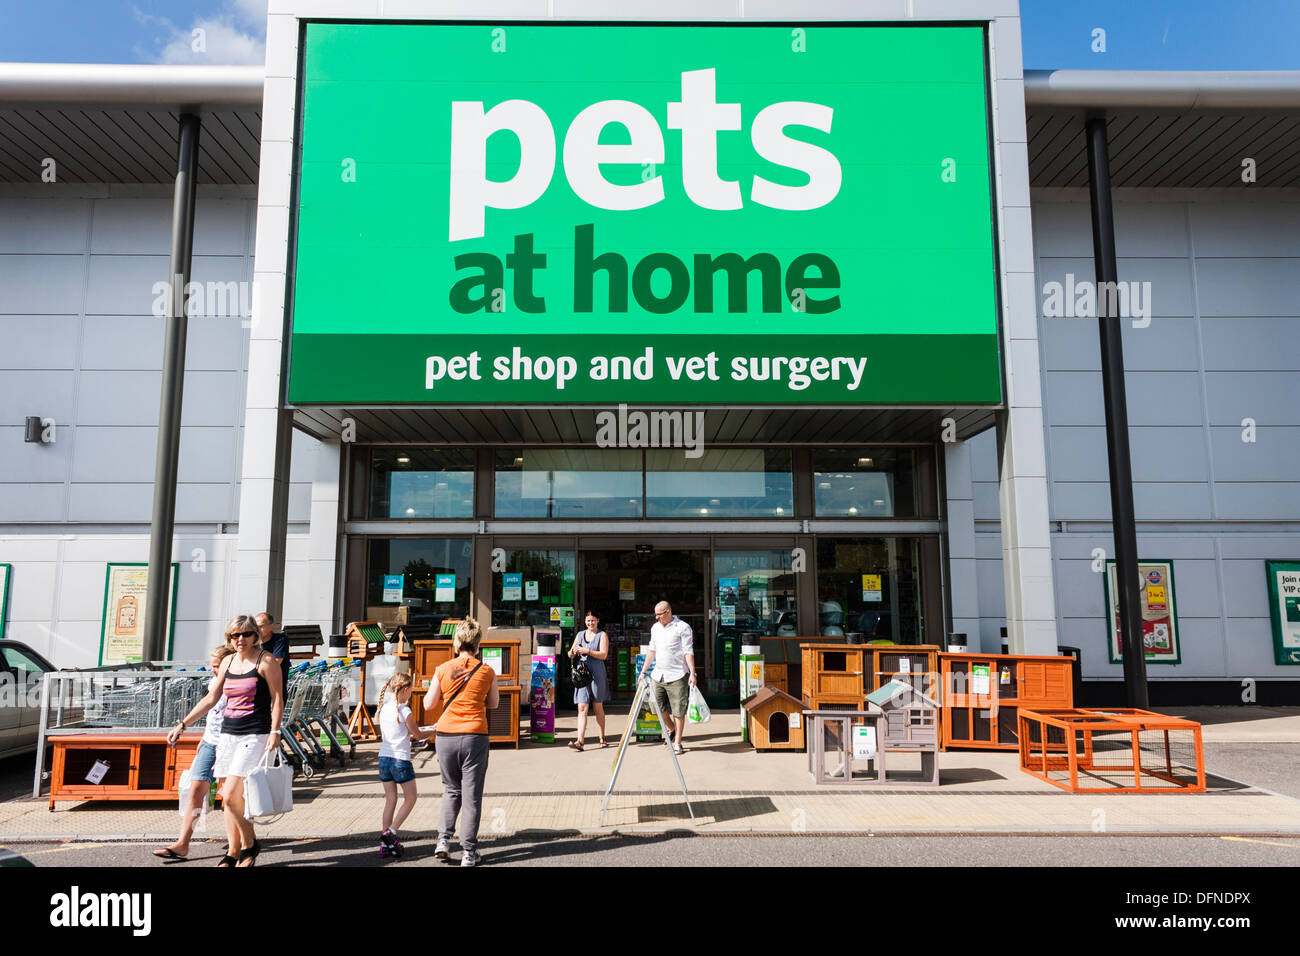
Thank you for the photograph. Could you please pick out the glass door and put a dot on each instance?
(754, 597)
(623, 586)
(869, 590)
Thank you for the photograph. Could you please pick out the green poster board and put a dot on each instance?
(1158, 612)
(122, 624)
(1284, 609)
(727, 213)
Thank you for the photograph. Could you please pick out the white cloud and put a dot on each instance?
(234, 35)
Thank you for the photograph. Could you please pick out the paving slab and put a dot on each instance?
(550, 789)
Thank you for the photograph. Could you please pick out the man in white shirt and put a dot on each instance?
(671, 665)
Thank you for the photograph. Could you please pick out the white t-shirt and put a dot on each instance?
(212, 729)
(396, 739)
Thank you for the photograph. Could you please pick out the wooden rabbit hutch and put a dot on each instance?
(775, 720)
(503, 723)
(141, 765)
(914, 664)
(984, 694)
(834, 675)
(776, 664)
(840, 675)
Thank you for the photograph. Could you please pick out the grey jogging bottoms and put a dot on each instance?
(462, 761)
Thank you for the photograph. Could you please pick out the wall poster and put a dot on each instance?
(121, 635)
(1284, 609)
(1158, 612)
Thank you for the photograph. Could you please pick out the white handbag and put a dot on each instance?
(268, 789)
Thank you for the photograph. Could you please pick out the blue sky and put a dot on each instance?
(1139, 34)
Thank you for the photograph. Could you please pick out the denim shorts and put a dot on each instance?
(204, 759)
(398, 771)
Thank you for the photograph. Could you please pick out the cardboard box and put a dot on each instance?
(391, 614)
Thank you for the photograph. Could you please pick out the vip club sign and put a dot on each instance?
(553, 213)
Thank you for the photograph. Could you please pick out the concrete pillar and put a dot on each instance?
(1022, 459)
(323, 543)
(263, 507)
(1026, 541)
(264, 488)
(963, 579)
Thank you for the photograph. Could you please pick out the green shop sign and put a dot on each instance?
(492, 214)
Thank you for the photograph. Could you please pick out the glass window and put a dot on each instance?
(21, 662)
(864, 482)
(533, 583)
(721, 483)
(756, 594)
(422, 483)
(568, 483)
(429, 576)
(869, 587)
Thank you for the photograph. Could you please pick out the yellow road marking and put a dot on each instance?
(60, 849)
(1290, 846)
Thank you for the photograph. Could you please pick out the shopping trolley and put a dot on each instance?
(322, 716)
(146, 700)
(305, 753)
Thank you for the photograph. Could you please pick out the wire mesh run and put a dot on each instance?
(1112, 751)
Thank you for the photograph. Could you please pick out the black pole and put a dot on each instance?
(163, 524)
(1123, 521)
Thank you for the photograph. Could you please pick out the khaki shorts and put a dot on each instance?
(672, 696)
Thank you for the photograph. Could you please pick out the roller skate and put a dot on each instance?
(389, 844)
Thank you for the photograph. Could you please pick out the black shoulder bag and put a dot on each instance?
(580, 674)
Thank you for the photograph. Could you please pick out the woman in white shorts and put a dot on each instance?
(250, 681)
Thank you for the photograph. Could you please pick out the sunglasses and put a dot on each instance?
(243, 634)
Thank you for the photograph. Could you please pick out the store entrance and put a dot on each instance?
(623, 586)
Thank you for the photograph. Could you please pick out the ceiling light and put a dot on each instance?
(853, 511)
(403, 460)
(866, 462)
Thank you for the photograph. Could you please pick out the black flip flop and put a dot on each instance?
(250, 854)
(168, 855)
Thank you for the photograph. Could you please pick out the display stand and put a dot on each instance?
(365, 640)
(643, 694)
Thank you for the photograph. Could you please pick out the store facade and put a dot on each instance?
(960, 486)
(646, 312)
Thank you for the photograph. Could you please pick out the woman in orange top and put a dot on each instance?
(466, 691)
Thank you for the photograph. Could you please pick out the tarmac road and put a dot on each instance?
(673, 849)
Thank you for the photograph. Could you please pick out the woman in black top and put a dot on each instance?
(250, 680)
